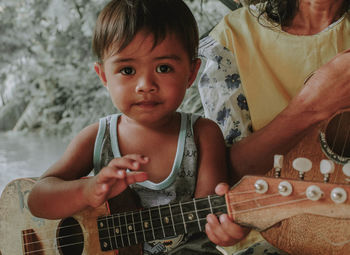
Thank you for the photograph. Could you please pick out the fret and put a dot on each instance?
(142, 228)
(151, 221)
(172, 220)
(133, 223)
(121, 231)
(218, 203)
(157, 223)
(190, 218)
(196, 211)
(211, 207)
(204, 208)
(161, 221)
(140, 238)
(165, 218)
(183, 218)
(105, 241)
(117, 231)
(110, 231)
(114, 233)
(146, 224)
(177, 218)
(130, 229)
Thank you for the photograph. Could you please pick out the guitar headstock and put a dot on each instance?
(260, 202)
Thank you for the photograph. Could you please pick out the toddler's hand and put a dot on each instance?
(113, 179)
(222, 230)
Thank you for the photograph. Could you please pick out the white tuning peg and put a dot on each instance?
(346, 171)
(326, 168)
(285, 188)
(302, 165)
(261, 186)
(339, 195)
(314, 193)
(277, 164)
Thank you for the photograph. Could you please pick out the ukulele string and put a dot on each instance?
(343, 146)
(130, 213)
(112, 216)
(345, 142)
(159, 228)
(337, 131)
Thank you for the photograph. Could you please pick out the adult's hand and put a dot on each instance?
(222, 230)
(328, 90)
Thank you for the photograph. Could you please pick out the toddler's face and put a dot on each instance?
(148, 84)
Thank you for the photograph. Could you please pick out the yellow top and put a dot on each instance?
(274, 64)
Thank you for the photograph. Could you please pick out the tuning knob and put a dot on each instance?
(302, 165)
(261, 186)
(277, 164)
(346, 170)
(338, 195)
(285, 188)
(314, 193)
(326, 168)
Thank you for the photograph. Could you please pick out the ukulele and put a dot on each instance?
(256, 201)
(323, 155)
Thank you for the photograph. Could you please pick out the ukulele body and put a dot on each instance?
(312, 234)
(23, 233)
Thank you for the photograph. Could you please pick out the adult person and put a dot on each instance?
(274, 70)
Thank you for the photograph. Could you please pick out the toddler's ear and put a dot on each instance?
(101, 74)
(196, 64)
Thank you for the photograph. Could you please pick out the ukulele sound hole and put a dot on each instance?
(335, 139)
(70, 238)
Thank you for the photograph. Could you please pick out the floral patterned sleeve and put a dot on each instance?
(221, 91)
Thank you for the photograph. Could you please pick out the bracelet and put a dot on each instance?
(309, 76)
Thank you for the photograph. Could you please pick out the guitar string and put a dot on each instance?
(121, 236)
(337, 131)
(338, 166)
(346, 142)
(79, 234)
(129, 213)
(222, 206)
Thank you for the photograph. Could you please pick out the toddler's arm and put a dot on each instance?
(61, 191)
(212, 169)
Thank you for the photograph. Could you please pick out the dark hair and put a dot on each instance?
(120, 20)
(283, 11)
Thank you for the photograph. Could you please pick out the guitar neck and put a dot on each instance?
(131, 228)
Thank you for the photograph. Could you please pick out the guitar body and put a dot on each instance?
(22, 233)
(311, 234)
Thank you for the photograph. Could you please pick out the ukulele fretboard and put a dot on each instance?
(131, 228)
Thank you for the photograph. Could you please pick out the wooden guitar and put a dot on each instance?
(256, 201)
(309, 233)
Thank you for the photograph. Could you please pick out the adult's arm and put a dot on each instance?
(324, 94)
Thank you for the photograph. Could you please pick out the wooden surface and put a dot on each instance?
(16, 218)
(310, 234)
(263, 211)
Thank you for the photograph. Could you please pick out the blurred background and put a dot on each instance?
(48, 88)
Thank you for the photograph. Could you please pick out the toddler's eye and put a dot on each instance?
(163, 69)
(128, 70)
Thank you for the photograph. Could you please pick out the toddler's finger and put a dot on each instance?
(131, 162)
(133, 177)
(108, 173)
(221, 188)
